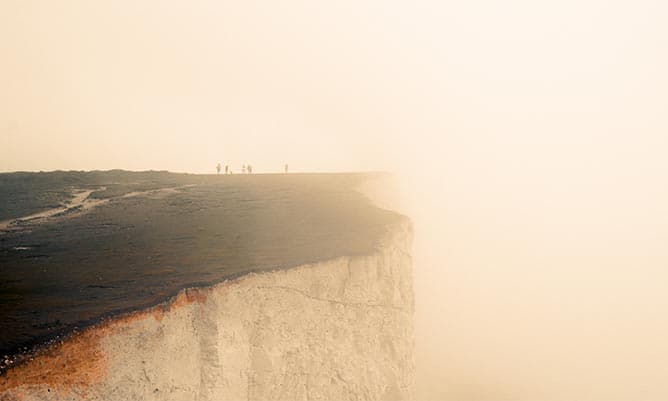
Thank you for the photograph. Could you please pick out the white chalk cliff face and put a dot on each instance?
(336, 330)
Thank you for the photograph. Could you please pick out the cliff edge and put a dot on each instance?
(334, 330)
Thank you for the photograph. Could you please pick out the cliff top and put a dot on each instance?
(78, 246)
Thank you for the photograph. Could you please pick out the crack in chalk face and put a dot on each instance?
(207, 333)
(334, 301)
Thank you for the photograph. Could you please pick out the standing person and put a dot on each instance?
(218, 168)
(286, 168)
(250, 169)
(227, 169)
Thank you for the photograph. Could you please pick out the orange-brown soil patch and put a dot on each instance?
(78, 362)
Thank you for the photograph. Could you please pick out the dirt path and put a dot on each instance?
(80, 203)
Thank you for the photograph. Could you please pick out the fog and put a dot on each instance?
(528, 138)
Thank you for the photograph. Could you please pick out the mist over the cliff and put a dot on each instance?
(539, 268)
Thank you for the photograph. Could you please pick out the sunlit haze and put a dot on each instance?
(529, 138)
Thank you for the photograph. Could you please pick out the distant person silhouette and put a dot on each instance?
(218, 167)
(250, 169)
(286, 169)
(227, 169)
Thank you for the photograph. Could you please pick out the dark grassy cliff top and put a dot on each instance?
(151, 234)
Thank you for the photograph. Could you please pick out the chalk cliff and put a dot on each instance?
(339, 329)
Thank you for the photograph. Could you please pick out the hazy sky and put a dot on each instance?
(531, 137)
(328, 85)
(181, 85)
